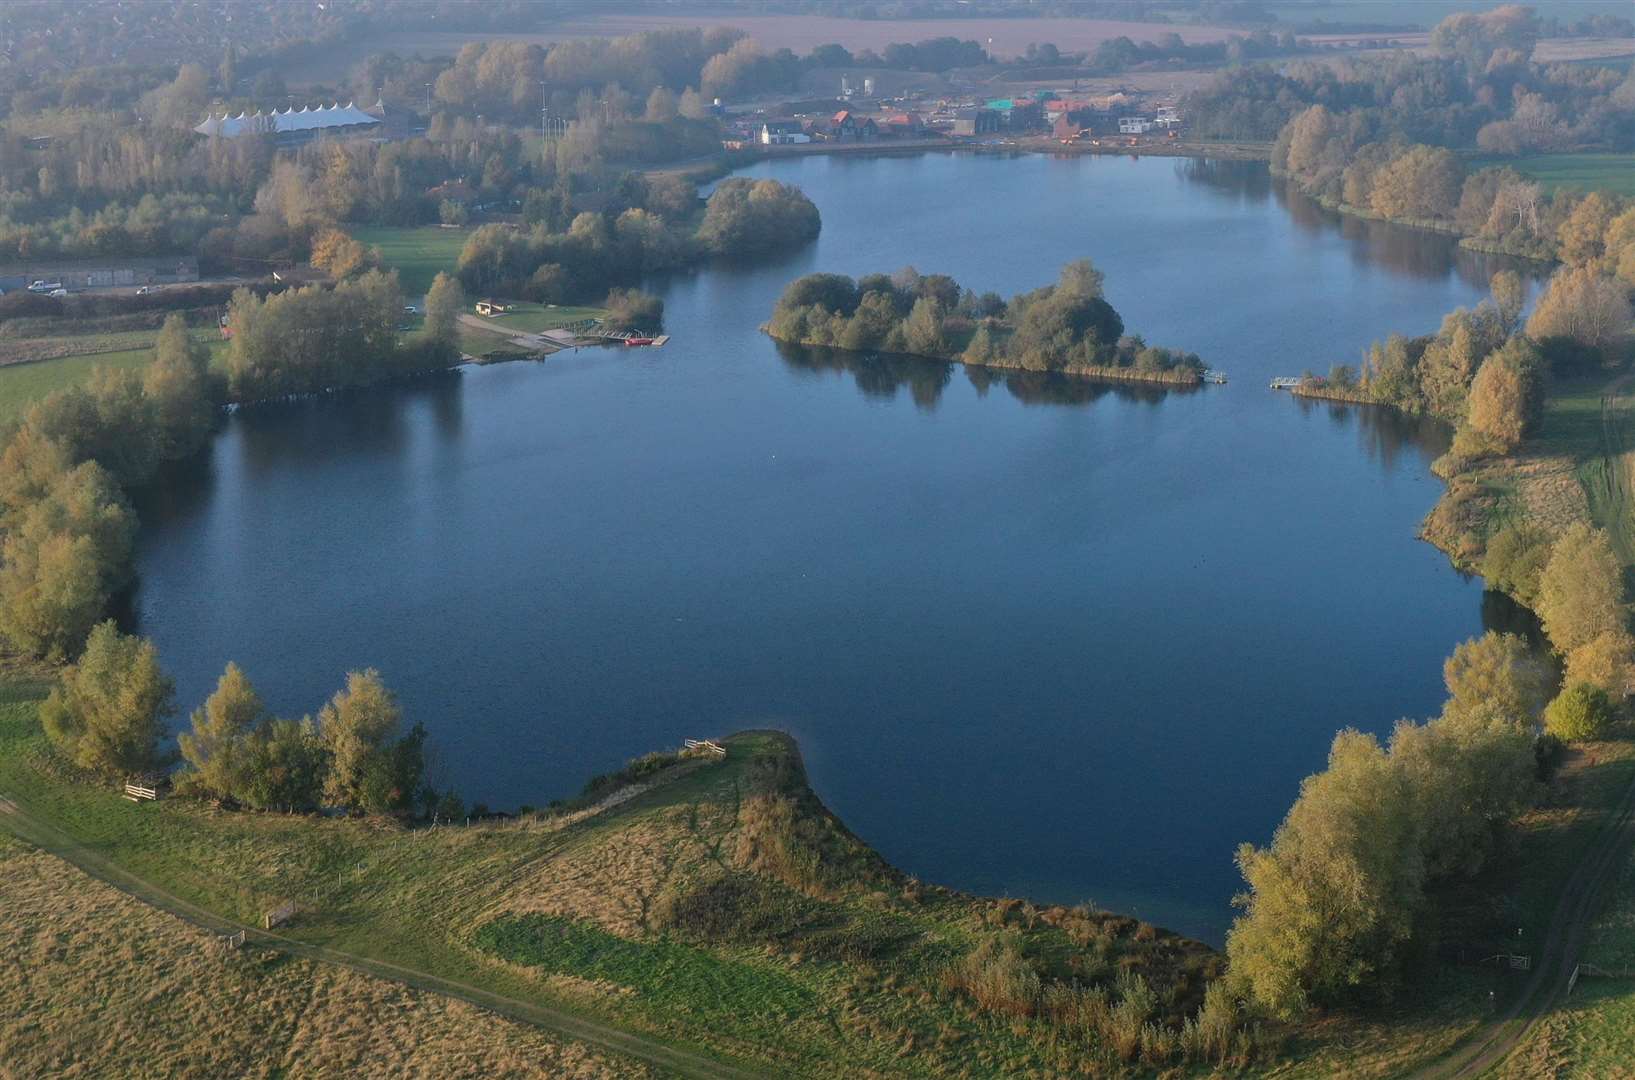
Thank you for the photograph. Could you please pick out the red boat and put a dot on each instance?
(638, 341)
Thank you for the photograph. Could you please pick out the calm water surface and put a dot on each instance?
(1036, 637)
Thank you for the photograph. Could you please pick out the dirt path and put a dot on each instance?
(1554, 963)
(671, 1060)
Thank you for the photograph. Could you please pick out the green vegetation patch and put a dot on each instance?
(23, 384)
(417, 254)
(1613, 173)
(664, 970)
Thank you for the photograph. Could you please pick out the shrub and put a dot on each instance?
(1581, 711)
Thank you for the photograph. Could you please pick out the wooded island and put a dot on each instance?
(1068, 327)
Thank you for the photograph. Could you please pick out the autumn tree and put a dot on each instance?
(1422, 183)
(338, 255)
(370, 767)
(218, 747)
(1581, 239)
(1507, 396)
(1583, 305)
(108, 711)
(1580, 590)
(1497, 674)
(1333, 899)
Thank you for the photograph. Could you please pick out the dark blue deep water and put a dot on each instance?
(1041, 638)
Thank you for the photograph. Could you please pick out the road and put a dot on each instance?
(1546, 986)
(667, 1059)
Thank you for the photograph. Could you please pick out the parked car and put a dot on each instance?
(146, 290)
(44, 286)
(410, 309)
(59, 291)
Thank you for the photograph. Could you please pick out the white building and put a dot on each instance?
(1134, 125)
(783, 133)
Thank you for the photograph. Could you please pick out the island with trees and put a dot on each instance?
(1068, 327)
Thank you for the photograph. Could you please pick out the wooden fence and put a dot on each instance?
(707, 745)
(138, 793)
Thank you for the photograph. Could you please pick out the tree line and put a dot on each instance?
(1066, 327)
(1327, 154)
(66, 526)
(1338, 907)
(1478, 88)
(743, 218)
(109, 713)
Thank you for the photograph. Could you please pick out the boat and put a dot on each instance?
(638, 341)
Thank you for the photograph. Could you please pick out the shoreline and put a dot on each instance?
(1029, 144)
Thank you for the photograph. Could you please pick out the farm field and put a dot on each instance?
(416, 253)
(1583, 172)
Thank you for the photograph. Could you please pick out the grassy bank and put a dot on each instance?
(23, 383)
(1578, 468)
(717, 908)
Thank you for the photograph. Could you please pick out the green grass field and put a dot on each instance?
(23, 384)
(417, 254)
(1582, 172)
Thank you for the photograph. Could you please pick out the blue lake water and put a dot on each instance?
(1036, 637)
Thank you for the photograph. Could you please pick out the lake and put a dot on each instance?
(1036, 637)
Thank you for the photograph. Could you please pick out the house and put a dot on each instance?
(1134, 125)
(1168, 117)
(783, 133)
(847, 126)
(971, 122)
(905, 124)
(491, 308)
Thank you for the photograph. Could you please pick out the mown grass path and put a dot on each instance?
(1575, 910)
(17, 819)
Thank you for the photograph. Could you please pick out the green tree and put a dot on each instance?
(284, 766)
(179, 387)
(1514, 559)
(923, 329)
(445, 300)
(63, 557)
(1334, 898)
(359, 728)
(109, 709)
(1580, 712)
(1497, 675)
(1580, 590)
(1509, 294)
(218, 746)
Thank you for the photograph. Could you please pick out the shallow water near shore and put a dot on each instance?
(1042, 637)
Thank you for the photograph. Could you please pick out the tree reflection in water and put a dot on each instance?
(882, 375)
